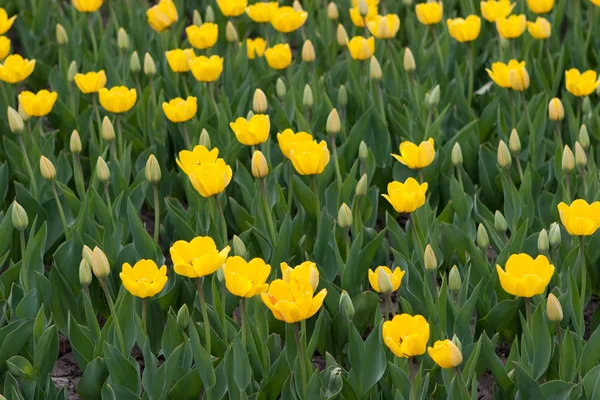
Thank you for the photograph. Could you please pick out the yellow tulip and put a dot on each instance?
(87, 6)
(577, 84)
(16, 68)
(395, 277)
(307, 271)
(285, 19)
(288, 139)
(524, 276)
(310, 158)
(162, 15)
(358, 20)
(361, 48)
(246, 279)
(210, 178)
(540, 6)
(540, 29)
(500, 72)
(261, 12)
(596, 2)
(232, 8)
(416, 157)
(279, 56)
(91, 82)
(4, 47)
(197, 258)
(179, 60)
(491, 10)
(255, 47)
(5, 22)
(406, 197)
(556, 111)
(206, 69)
(511, 27)
(429, 13)
(293, 301)
(519, 79)
(117, 99)
(204, 36)
(37, 104)
(200, 154)
(252, 132)
(445, 354)
(405, 335)
(384, 26)
(580, 218)
(464, 30)
(144, 279)
(180, 110)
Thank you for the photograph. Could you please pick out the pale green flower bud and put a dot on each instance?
(363, 151)
(584, 138)
(209, 14)
(384, 282)
(483, 240)
(259, 102)
(346, 306)
(568, 160)
(75, 142)
(555, 236)
(454, 280)
(100, 264)
(432, 99)
(431, 263)
(152, 170)
(334, 124)
(15, 121)
(342, 96)
(332, 11)
(61, 35)
(205, 138)
(280, 88)
(239, 248)
(363, 8)
(102, 170)
(122, 40)
(554, 309)
(149, 65)
(85, 273)
(344, 218)
(504, 158)
(514, 142)
(72, 71)
(231, 34)
(362, 186)
(543, 242)
(220, 275)
(457, 157)
(375, 69)
(586, 106)
(341, 35)
(20, 220)
(409, 60)
(108, 130)
(134, 63)
(580, 156)
(249, 115)
(47, 169)
(307, 98)
(500, 222)
(87, 254)
(196, 18)
(183, 317)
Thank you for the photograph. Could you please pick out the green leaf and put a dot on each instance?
(45, 353)
(204, 365)
(144, 244)
(374, 358)
(20, 366)
(526, 385)
(13, 337)
(122, 371)
(242, 373)
(92, 380)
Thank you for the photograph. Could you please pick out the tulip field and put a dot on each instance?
(309, 199)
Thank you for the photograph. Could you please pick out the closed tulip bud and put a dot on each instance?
(280, 88)
(87, 254)
(231, 33)
(196, 18)
(543, 242)
(384, 282)
(209, 15)
(100, 265)
(407, 2)
(332, 11)
(15, 121)
(363, 8)
(514, 142)
(297, 6)
(334, 125)
(341, 35)
(152, 170)
(409, 60)
(183, 317)
(363, 151)
(250, 115)
(343, 96)
(308, 52)
(432, 99)
(75, 142)
(556, 111)
(554, 309)
(346, 306)
(20, 220)
(554, 238)
(504, 158)
(205, 139)
(568, 160)
(61, 35)
(483, 240)
(456, 156)
(239, 248)
(580, 157)
(122, 40)
(85, 274)
(102, 170)
(500, 222)
(108, 130)
(24, 116)
(134, 63)
(260, 168)
(454, 280)
(344, 218)
(375, 69)
(307, 98)
(259, 102)
(431, 263)
(149, 65)
(584, 138)
(586, 106)
(72, 71)
(47, 169)
(362, 186)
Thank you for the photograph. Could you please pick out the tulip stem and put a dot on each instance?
(97, 111)
(338, 174)
(243, 318)
(144, 301)
(113, 313)
(459, 175)
(470, 65)
(290, 189)
(107, 194)
(211, 95)
(549, 57)
(348, 243)
(156, 213)
(270, 223)
(223, 221)
(590, 27)
(32, 180)
(528, 311)
(302, 356)
(393, 63)
(186, 137)
(434, 284)
(583, 270)
(204, 309)
(585, 184)
(120, 139)
(90, 26)
(224, 303)
(61, 212)
(317, 203)
(388, 307)
(568, 184)
(24, 261)
(437, 46)
(519, 168)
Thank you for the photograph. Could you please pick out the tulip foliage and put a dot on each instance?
(365, 199)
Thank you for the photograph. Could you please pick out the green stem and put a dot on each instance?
(348, 244)
(61, 212)
(98, 118)
(434, 285)
(24, 261)
(113, 313)
(223, 221)
(107, 194)
(389, 307)
(224, 303)
(317, 203)
(470, 62)
(302, 361)
(270, 223)
(156, 213)
(338, 174)
(25, 155)
(518, 162)
(144, 312)
(437, 45)
(120, 138)
(583, 271)
(204, 315)
(211, 94)
(590, 28)
(585, 184)
(243, 318)
(528, 310)
(90, 26)
(186, 137)
(290, 189)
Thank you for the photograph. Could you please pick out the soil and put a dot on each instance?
(66, 372)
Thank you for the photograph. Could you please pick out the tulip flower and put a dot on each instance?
(519, 79)
(279, 56)
(307, 271)
(87, 6)
(395, 277)
(91, 82)
(179, 60)
(511, 27)
(117, 99)
(293, 300)
(361, 48)
(180, 110)
(358, 20)
(285, 19)
(500, 72)
(464, 30)
(4, 47)
(540, 6)
(162, 15)
(210, 178)
(197, 258)
(200, 154)
(309, 158)
(406, 197)
(37, 104)
(524, 276)
(206, 69)
(445, 354)
(416, 157)
(288, 139)
(406, 335)
(204, 36)
(384, 26)
(255, 47)
(232, 8)
(491, 10)
(580, 218)
(144, 279)
(5, 22)
(262, 12)
(577, 84)
(246, 279)
(540, 29)
(596, 2)
(253, 131)
(16, 68)
(429, 13)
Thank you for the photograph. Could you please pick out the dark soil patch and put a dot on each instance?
(588, 315)
(66, 372)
